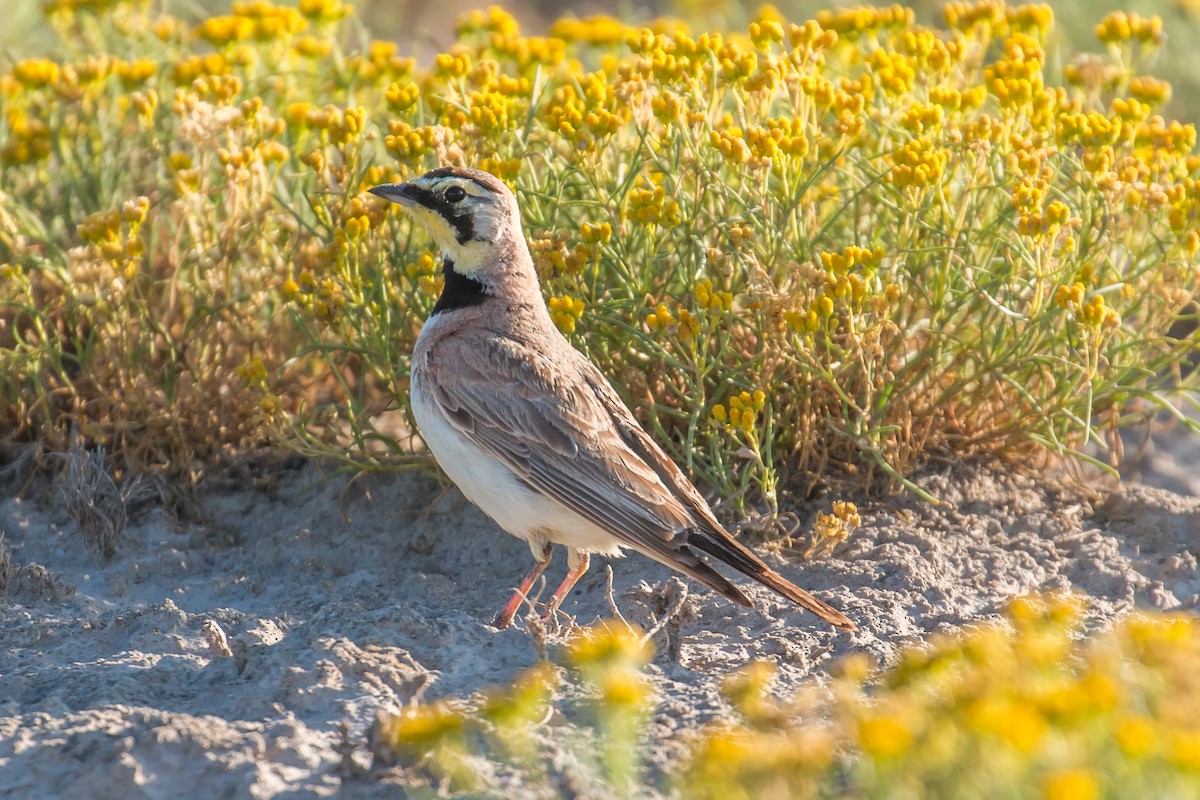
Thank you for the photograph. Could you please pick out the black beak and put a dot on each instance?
(403, 193)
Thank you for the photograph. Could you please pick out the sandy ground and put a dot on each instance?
(248, 656)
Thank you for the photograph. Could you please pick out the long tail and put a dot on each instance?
(684, 560)
(744, 561)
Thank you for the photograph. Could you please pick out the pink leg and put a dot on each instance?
(505, 617)
(568, 583)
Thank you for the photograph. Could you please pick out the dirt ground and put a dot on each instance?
(248, 656)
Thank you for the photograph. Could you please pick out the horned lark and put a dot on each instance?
(528, 428)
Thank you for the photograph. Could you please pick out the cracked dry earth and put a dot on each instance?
(249, 656)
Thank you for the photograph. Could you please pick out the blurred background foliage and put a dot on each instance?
(427, 26)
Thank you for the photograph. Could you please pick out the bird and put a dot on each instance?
(529, 429)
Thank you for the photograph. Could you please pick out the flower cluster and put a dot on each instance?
(918, 165)
(653, 207)
(1120, 26)
(1027, 706)
(565, 312)
(851, 205)
(833, 528)
(711, 299)
(113, 235)
(742, 411)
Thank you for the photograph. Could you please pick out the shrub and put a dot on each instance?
(844, 246)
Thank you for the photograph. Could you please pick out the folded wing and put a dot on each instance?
(562, 429)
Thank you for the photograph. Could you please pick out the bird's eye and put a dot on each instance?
(455, 193)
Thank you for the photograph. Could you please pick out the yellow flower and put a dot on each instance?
(1120, 26)
(1149, 90)
(186, 71)
(921, 118)
(1031, 17)
(894, 72)
(1090, 130)
(743, 411)
(1096, 314)
(804, 321)
(453, 65)
(847, 512)
(524, 702)
(133, 73)
(145, 103)
(622, 687)
(731, 144)
(253, 372)
(1012, 720)
(652, 207)
(1069, 297)
(610, 644)
(711, 299)
(324, 11)
(884, 737)
(852, 257)
(1135, 736)
(494, 20)
(917, 164)
(219, 31)
(1184, 749)
(667, 106)
(862, 20)
(1071, 784)
(357, 227)
(402, 96)
(595, 233)
(598, 29)
(407, 143)
(34, 72)
(1170, 136)
(506, 169)
(422, 729)
(220, 88)
(689, 324)
(749, 687)
(660, 318)
(831, 529)
(313, 47)
(270, 404)
(565, 312)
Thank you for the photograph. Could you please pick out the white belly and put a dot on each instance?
(486, 482)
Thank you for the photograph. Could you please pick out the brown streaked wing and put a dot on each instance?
(551, 430)
(649, 452)
(708, 536)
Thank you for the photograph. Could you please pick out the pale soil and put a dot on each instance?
(114, 682)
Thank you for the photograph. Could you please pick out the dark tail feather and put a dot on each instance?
(740, 558)
(685, 561)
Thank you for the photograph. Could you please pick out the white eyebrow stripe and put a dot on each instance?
(441, 184)
(471, 187)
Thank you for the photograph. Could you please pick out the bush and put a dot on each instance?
(838, 247)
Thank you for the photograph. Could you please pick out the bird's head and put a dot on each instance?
(470, 213)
